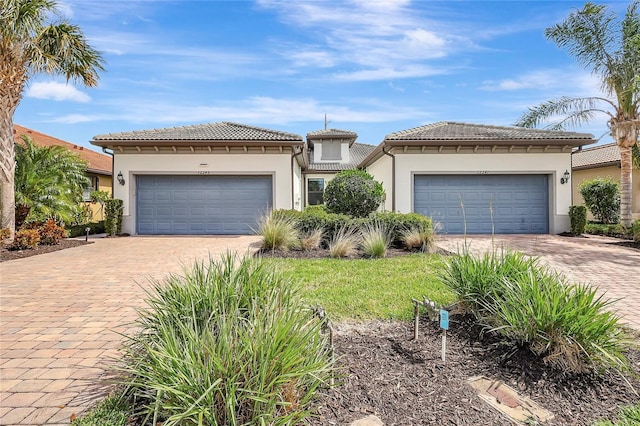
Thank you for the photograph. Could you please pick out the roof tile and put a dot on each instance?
(596, 156)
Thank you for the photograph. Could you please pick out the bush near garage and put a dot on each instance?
(113, 217)
(354, 193)
(602, 198)
(578, 219)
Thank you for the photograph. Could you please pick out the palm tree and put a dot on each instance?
(611, 49)
(49, 181)
(29, 45)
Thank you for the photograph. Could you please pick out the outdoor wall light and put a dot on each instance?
(120, 178)
(565, 177)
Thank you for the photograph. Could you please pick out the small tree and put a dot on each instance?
(113, 217)
(353, 192)
(602, 198)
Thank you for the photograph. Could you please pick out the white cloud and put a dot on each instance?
(56, 91)
(563, 82)
(389, 73)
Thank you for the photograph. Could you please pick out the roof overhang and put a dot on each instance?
(108, 143)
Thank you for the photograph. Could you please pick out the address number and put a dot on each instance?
(482, 172)
(203, 172)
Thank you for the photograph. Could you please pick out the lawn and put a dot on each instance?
(362, 289)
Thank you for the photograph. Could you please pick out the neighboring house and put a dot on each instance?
(98, 165)
(218, 178)
(602, 161)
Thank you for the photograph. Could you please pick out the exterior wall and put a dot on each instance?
(298, 182)
(131, 165)
(317, 153)
(579, 176)
(552, 164)
(381, 170)
(104, 184)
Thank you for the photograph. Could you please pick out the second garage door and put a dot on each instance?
(504, 204)
(201, 205)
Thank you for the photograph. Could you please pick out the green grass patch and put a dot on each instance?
(629, 416)
(361, 289)
(111, 411)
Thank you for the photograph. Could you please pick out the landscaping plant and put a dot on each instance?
(602, 198)
(354, 193)
(578, 218)
(279, 232)
(26, 239)
(113, 217)
(228, 343)
(374, 240)
(635, 230)
(344, 243)
(51, 233)
(420, 239)
(311, 240)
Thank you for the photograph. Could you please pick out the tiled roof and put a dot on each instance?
(452, 131)
(96, 162)
(332, 133)
(221, 131)
(357, 153)
(597, 156)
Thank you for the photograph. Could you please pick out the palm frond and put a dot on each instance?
(572, 112)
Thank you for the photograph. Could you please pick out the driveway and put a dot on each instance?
(599, 261)
(61, 312)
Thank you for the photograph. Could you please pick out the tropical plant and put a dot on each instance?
(611, 50)
(30, 44)
(49, 181)
(26, 239)
(228, 342)
(354, 193)
(602, 198)
(278, 232)
(113, 216)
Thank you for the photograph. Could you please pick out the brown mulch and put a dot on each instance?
(405, 382)
(324, 253)
(8, 254)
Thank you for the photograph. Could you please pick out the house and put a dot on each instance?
(218, 178)
(602, 161)
(99, 169)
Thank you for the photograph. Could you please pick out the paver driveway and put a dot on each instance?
(59, 314)
(598, 261)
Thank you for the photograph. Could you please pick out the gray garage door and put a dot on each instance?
(201, 205)
(520, 203)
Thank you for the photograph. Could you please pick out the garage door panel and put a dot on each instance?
(201, 204)
(518, 203)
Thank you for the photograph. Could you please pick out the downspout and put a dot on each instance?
(393, 178)
(293, 156)
(104, 149)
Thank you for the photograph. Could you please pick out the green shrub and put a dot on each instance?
(602, 197)
(566, 325)
(578, 218)
(278, 232)
(113, 217)
(228, 343)
(79, 230)
(5, 234)
(51, 233)
(26, 239)
(354, 193)
(374, 240)
(398, 223)
(111, 411)
(613, 230)
(635, 230)
(344, 243)
(311, 219)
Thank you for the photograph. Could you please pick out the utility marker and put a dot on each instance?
(444, 325)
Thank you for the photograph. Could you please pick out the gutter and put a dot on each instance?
(104, 149)
(393, 177)
(293, 156)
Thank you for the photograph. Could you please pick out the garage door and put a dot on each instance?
(201, 205)
(520, 203)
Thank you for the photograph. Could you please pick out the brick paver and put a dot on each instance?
(61, 312)
(599, 261)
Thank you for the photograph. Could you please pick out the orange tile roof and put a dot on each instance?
(96, 162)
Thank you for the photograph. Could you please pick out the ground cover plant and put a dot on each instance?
(228, 343)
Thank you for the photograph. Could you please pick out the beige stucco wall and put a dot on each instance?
(317, 153)
(381, 171)
(409, 164)
(131, 165)
(579, 176)
(104, 184)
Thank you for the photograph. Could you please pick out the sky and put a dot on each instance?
(372, 66)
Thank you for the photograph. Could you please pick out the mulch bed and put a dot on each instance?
(405, 382)
(6, 254)
(324, 253)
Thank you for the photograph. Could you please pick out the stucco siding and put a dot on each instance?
(381, 170)
(131, 165)
(552, 164)
(579, 176)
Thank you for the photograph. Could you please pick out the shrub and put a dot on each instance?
(614, 230)
(566, 325)
(26, 239)
(354, 193)
(420, 239)
(399, 223)
(227, 343)
(635, 230)
(94, 228)
(578, 218)
(51, 233)
(278, 232)
(113, 217)
(311, 219)
(311, 240)
(344, 243)
(5, 234)
(374, 240)
(602, 198)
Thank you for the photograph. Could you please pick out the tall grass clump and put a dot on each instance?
(422, 239)
(228, 343)
(279, 232)
(312, 239)
(375, 240)
(344, 243)
(567, 325)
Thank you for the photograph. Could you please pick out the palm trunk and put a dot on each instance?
(626, 173)
(7, 169)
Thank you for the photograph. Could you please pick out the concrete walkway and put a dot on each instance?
(61, 312)
(599, 261)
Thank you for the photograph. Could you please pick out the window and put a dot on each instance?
(93, 186)
(331, 150)
(315, 191)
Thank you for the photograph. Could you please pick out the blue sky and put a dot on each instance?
(373, 66)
